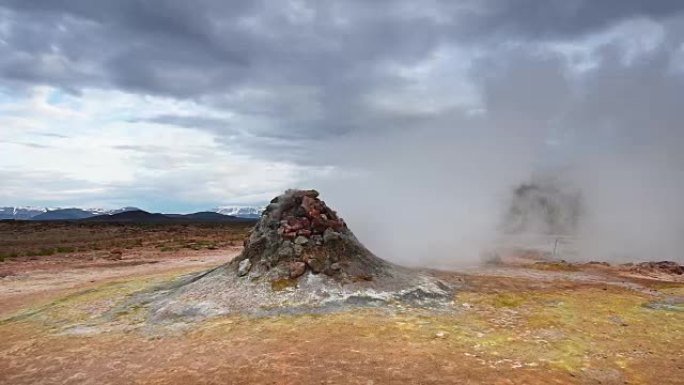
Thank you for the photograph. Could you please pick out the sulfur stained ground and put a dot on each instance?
(502, 330)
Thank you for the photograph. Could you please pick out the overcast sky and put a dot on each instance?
(184, 105)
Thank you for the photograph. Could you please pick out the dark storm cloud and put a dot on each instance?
(194, 49)
(294, 72)
(365, 86)
(539, 19)
(129, 44)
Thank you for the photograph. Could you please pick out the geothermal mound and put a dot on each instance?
(299, 256)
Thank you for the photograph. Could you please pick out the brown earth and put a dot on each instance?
(511, 324)
(24, 241)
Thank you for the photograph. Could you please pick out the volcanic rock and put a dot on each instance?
(663, 267)
(243, 267)
(301, 255)
(297, 269)
(330, 235)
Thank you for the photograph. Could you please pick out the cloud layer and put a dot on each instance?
(438, 107)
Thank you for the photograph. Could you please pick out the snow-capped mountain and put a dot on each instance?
(24, 212)
(72, 213)
(55, 213)
(240, 211)
(97, 211)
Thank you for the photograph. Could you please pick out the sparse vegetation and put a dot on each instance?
(554, 266)
(36, 239)
(283, 283)
(509, 300)
(65, 249)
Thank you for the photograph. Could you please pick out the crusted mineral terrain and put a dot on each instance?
(300, 256)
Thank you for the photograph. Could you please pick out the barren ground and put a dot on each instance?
(516, 323)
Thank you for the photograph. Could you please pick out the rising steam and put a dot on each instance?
(450, 188)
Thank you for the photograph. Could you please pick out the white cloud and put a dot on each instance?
(104, 141)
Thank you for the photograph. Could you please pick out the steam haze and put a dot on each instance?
(439, 195)
(416, 123)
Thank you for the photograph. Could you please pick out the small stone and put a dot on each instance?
(297, 269)
(317, 240)
(300, 211)
(330, 235)
(307, 203)
(335, 266)
(441, 334)
(304, 232)
(337, 224)
(315, 265)
(318, 225)
(298, 249)
(254, 274)
(306, 223)
(244, 266)
(301, 240)
(286, 251)
(618, 320)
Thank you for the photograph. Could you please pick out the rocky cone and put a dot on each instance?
(300, 256)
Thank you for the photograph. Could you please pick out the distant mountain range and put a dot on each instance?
(140, 216)
(220, 214)
(58, 213)
(253, 212)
